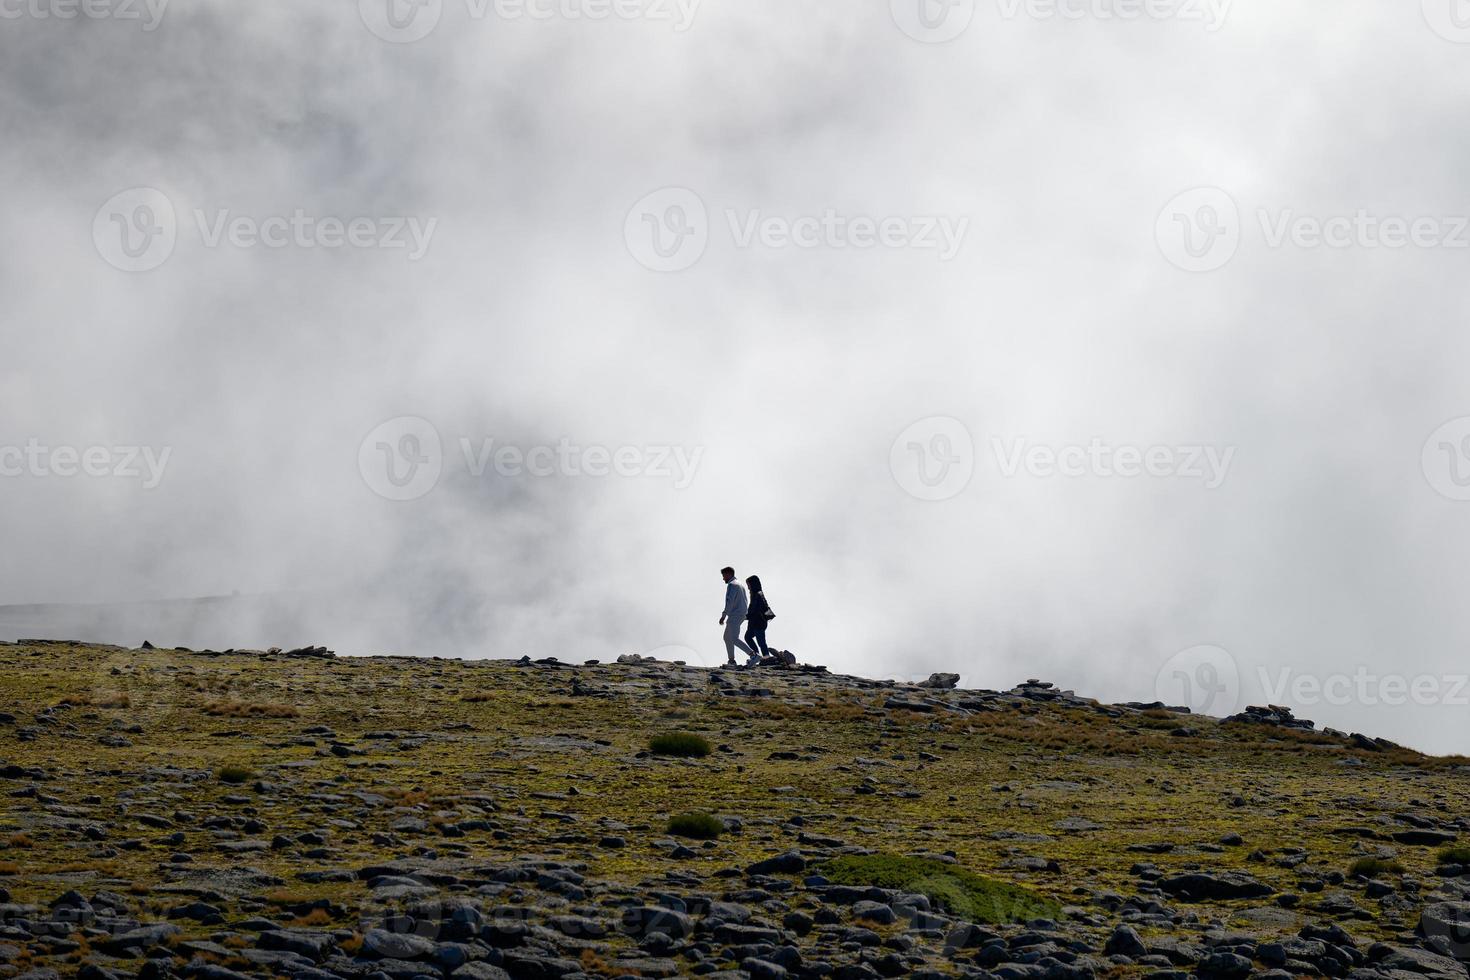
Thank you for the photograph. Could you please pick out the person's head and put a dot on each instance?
(727, 573)
(754, 583)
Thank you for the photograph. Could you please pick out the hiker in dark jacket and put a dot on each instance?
(756, 619)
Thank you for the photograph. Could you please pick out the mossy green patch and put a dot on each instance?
(955, 890)
(1459, 854)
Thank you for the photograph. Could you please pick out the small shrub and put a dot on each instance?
(699, 826)
(1373, 867)
(20, 840)
(234, 775)
(595, 965)
(1460, 854)
(961, 893)
(683, 744)
(9, 868)
(407, 797)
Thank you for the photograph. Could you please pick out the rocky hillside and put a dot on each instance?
(246, 814)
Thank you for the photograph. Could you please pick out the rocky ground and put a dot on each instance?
(244, 814)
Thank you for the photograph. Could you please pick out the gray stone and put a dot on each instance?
(140, 938)
(479, 971)
(790, 863)
(1225, 965)
(397, 945)
(312, 945)
(1201, 887)
(645, 919)
(1125, 942)
(763, 970)
(874, 912)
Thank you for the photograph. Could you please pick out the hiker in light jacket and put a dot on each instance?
(736, 608)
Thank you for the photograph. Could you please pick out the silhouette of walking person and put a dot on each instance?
(736, 609)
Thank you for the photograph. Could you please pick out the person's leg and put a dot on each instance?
(756, 637)
(750, 640)
(732, 639)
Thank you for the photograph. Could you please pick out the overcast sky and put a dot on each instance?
(1112, 343)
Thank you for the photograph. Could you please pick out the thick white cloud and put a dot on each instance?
(530, 320)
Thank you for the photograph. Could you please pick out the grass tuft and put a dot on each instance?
(1373, 867)
(1459, 854)
(234, 775)
(957, 891)
(682, 744)
(699, 826)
